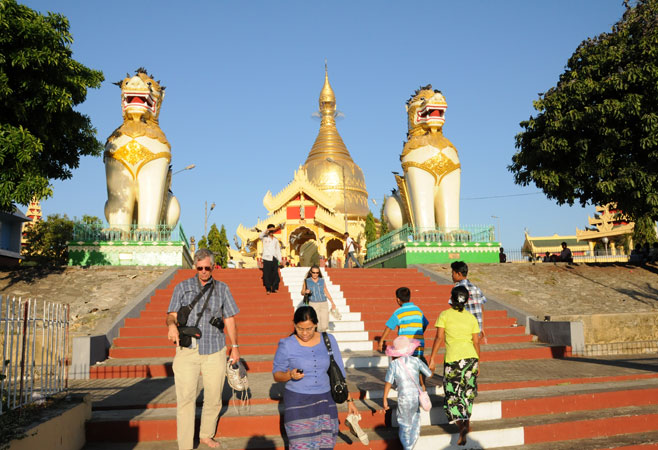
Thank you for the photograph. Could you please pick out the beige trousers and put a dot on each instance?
(188, 364)
(322, 310)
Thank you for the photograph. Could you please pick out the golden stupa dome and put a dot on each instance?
(327, 175)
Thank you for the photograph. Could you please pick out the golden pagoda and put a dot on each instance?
(327, 175)
(310, 209)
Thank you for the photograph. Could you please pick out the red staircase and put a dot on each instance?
(541, 400)
(372, 293)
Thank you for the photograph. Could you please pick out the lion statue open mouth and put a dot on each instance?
(428, 194)
(137, 157)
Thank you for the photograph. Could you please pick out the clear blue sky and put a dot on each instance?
(243, 79)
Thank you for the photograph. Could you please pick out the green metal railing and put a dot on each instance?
(92, 232)
(398, 238)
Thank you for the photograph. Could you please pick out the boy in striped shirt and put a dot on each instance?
(410, 321)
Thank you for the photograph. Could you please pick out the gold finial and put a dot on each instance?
(327, 93)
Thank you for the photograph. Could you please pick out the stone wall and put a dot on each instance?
(614, 328)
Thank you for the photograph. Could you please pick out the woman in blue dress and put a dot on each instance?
(301, 361)
(314, 284)
(404, 371)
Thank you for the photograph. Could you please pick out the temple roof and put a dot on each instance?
(542, 244)
(300, 183)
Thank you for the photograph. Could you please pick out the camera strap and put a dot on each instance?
(206, 288)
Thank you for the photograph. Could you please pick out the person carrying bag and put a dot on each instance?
(187, 333)
(404, 370)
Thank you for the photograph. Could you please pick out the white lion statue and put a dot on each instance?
(137, 160)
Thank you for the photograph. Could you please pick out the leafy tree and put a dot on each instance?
(218, 244)
(383, 225)
(214, 244)
(370, 228)
(47, 240)
(225, 245)
(90, 220)
(644, 231)
(203, 243)
(41, 135)
(595, 138)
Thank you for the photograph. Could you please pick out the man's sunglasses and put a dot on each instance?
(315, 273)
(207, 269)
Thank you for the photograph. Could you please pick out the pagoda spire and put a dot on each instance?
(328, 176)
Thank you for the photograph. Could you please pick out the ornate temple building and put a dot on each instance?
(609, 227)
(326, 196)
(35, 215)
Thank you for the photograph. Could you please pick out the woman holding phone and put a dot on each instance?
(301, 361)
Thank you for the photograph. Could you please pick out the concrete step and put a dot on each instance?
(364, 358)
(636, 441)
(160, 424)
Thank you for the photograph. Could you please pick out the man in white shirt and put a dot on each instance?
(350, 248)
(271, 257)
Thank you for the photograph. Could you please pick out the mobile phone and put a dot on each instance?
(300, 370)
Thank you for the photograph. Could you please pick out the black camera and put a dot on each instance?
(217, 322)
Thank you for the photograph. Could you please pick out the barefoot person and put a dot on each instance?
(405, 372)
(460, 331)
(214, 313)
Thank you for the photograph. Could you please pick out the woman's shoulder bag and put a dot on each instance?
(337, 382)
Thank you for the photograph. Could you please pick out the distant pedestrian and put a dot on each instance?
(318, 292)
(476, 299)
(460, 331)
(351, 247)
(405, 372)
(502, 257)
(271, 257)
(565, 254)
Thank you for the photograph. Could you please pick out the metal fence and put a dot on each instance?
(395, 239)
(34, 336)
(521, 256)
(87, 232)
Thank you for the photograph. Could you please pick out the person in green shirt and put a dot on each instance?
(460, 331)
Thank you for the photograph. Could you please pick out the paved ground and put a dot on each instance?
(96, 294)
(558, 289)
(116, 391)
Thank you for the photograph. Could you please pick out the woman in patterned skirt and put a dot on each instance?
(460, 331)
(301, 361)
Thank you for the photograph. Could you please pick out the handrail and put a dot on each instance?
(396, 239)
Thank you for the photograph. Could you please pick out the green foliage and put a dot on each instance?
(644, 231)
(595, 138)
(90, 220)
(383, 225)
(203, 243)
(218, 244)
(370, 228)
(41, 135)
(47, 240)
(224, 247)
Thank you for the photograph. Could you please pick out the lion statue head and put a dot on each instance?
(426, 111)
(141, 96)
